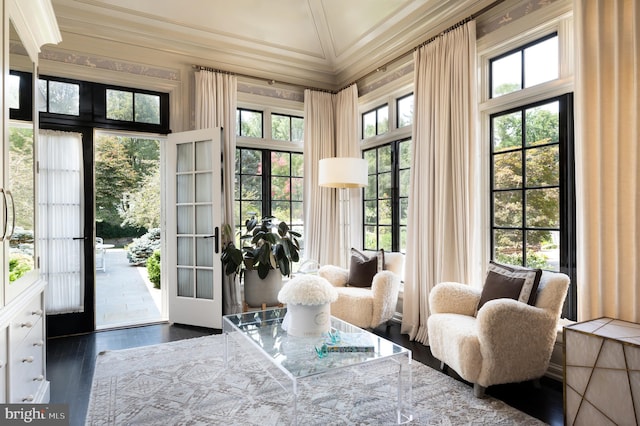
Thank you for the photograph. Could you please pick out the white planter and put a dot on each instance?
(258, 291)
(307, 320)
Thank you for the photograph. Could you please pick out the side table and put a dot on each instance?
(602, 372)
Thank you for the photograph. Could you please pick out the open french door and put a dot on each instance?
(191, 264)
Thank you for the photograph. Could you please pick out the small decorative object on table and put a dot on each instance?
(308, 299)
(345, 343)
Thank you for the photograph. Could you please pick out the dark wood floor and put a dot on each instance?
(71, 360)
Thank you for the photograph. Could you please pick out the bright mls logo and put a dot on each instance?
(34, 414)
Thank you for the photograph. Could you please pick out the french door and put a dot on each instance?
(191, 267)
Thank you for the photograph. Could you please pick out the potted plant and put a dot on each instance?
(266, 254)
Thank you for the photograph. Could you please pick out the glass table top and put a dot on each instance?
(298, 356)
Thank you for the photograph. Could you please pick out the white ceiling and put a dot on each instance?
(326, 43)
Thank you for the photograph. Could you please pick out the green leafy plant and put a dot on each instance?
(153, 268)
(265, 246)
(142, 248)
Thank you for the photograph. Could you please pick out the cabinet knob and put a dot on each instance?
(27, 324)
(39, 378)
(28, 359)
(37, 312)
(27, 398)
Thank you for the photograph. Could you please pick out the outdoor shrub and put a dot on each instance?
(19, 264)
(153, 268)
(142, 248)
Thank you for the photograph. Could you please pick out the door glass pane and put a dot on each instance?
(203, 156)
(185, 158)
(204, 219)
(185, 219)
(203, 187)
(204, 284)
(204, 252)
(185, 251)
(184, 187)
(185, 282)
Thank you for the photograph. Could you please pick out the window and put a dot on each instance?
(532, 186)
(249, 123)
(525, 67)
(287, 128)
(405, 111)
(375, 122)
(127, 105)
(386, 197)
(59, 97)
(269, 183)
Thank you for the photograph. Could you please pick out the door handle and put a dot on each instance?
(216, 235)
(79, 238)
(6, 214)
(13, 217)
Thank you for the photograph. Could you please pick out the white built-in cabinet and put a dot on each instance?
(22, 316)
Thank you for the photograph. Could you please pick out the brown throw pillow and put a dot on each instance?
(510, 282)
(363, 268)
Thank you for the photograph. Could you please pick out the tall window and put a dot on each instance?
(386, 197)
(269, 183)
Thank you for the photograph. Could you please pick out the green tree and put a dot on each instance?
(114, 176)
(143, 207)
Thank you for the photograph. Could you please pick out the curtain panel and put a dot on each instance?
(216, 103)
(441, 203)
(608, 158)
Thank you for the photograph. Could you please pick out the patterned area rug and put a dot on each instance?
(185, 383)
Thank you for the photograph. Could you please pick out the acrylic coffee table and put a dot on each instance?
(293, 359)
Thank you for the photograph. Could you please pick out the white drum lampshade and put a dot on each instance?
(343, 172)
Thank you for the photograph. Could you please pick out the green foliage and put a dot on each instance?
(142, 248)
(534, 259)
(111, 231)
(19, 264)
(153, 268)
(144, 205)
(265, 246)
(21, 174)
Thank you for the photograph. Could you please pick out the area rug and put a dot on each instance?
(186, 383)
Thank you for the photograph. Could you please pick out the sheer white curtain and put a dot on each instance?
(60, 219)
(441, 202)
(216, 102)
(321, 217)
(608, 158)
(347, 145)
(330, 130)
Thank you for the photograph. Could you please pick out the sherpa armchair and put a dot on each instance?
(368, 290)
(491, 339)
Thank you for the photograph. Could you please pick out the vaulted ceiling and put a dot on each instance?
(325, 43)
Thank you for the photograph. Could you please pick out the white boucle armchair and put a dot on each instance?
(366, 307)
(506, 341)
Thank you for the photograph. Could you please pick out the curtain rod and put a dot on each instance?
(382, 67)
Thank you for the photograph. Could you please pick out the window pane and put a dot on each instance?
(297, 165)
(542, 124)
(541, 62)
(404, 210)
(297, 129)
(64, 98)
(280, 127)
(297, 213)
(405, 111)
(383, 120)
(251, 123)
(506, 75)
(147, 108)
(384, 212)
(405, 154)
(507, 170)
(370, 238)
(384, 185)
(251, 161)
(371, 212)
(543, 166)
(297, 189)
(384, 159)
(13, 98)
(507, 131)
(405, 176)
(251, 187)
(370, 156)
(372, 185)
(384, 238)
(280, 188)
(119, 105)
(42, 95)
(281, 210)
(543, 250)
(508, 246)
(280, 164)
(249, 209)
(543, 208)
(369, 124)
(507, 208)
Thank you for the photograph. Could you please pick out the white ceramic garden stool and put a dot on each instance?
(308, 299)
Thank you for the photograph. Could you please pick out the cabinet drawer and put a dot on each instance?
(25, 321)
(27, 366)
